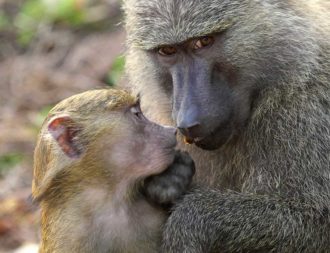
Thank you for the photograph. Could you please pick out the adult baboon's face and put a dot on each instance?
(199, 73)
(203, 106)
(211, 58)
(208, 102)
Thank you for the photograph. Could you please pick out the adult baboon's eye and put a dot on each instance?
(203, 42)
(167, 50)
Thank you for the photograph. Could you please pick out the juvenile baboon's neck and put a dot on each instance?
(95, 220)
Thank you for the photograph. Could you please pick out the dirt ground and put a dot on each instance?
(60, 62)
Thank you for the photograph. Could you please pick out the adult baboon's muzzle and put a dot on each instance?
(201, 103)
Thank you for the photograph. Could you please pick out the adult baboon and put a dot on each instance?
(250, 81)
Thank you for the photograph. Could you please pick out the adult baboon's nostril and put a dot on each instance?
(191, 131)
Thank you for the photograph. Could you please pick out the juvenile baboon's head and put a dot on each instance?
(209, 59)
(100, 136)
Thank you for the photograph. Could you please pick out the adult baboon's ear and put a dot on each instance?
(64, 130)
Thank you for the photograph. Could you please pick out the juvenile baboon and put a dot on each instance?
(94, 152)
(248, 83)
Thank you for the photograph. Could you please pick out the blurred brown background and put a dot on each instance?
(49, 50)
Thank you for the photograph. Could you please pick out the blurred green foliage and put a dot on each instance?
(9, 161)
(116, 71)
(35, 13)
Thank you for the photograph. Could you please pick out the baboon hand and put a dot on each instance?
(170, 185)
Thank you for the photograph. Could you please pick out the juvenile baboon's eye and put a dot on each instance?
(203, 42)
(137, 111)
(167, 50)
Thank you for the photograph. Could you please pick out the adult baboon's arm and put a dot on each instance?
(213, 221)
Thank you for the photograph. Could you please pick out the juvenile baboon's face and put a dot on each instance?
(138, 147)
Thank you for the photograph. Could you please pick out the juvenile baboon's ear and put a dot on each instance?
(64, 130)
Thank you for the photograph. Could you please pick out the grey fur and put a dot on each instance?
(271, 185)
